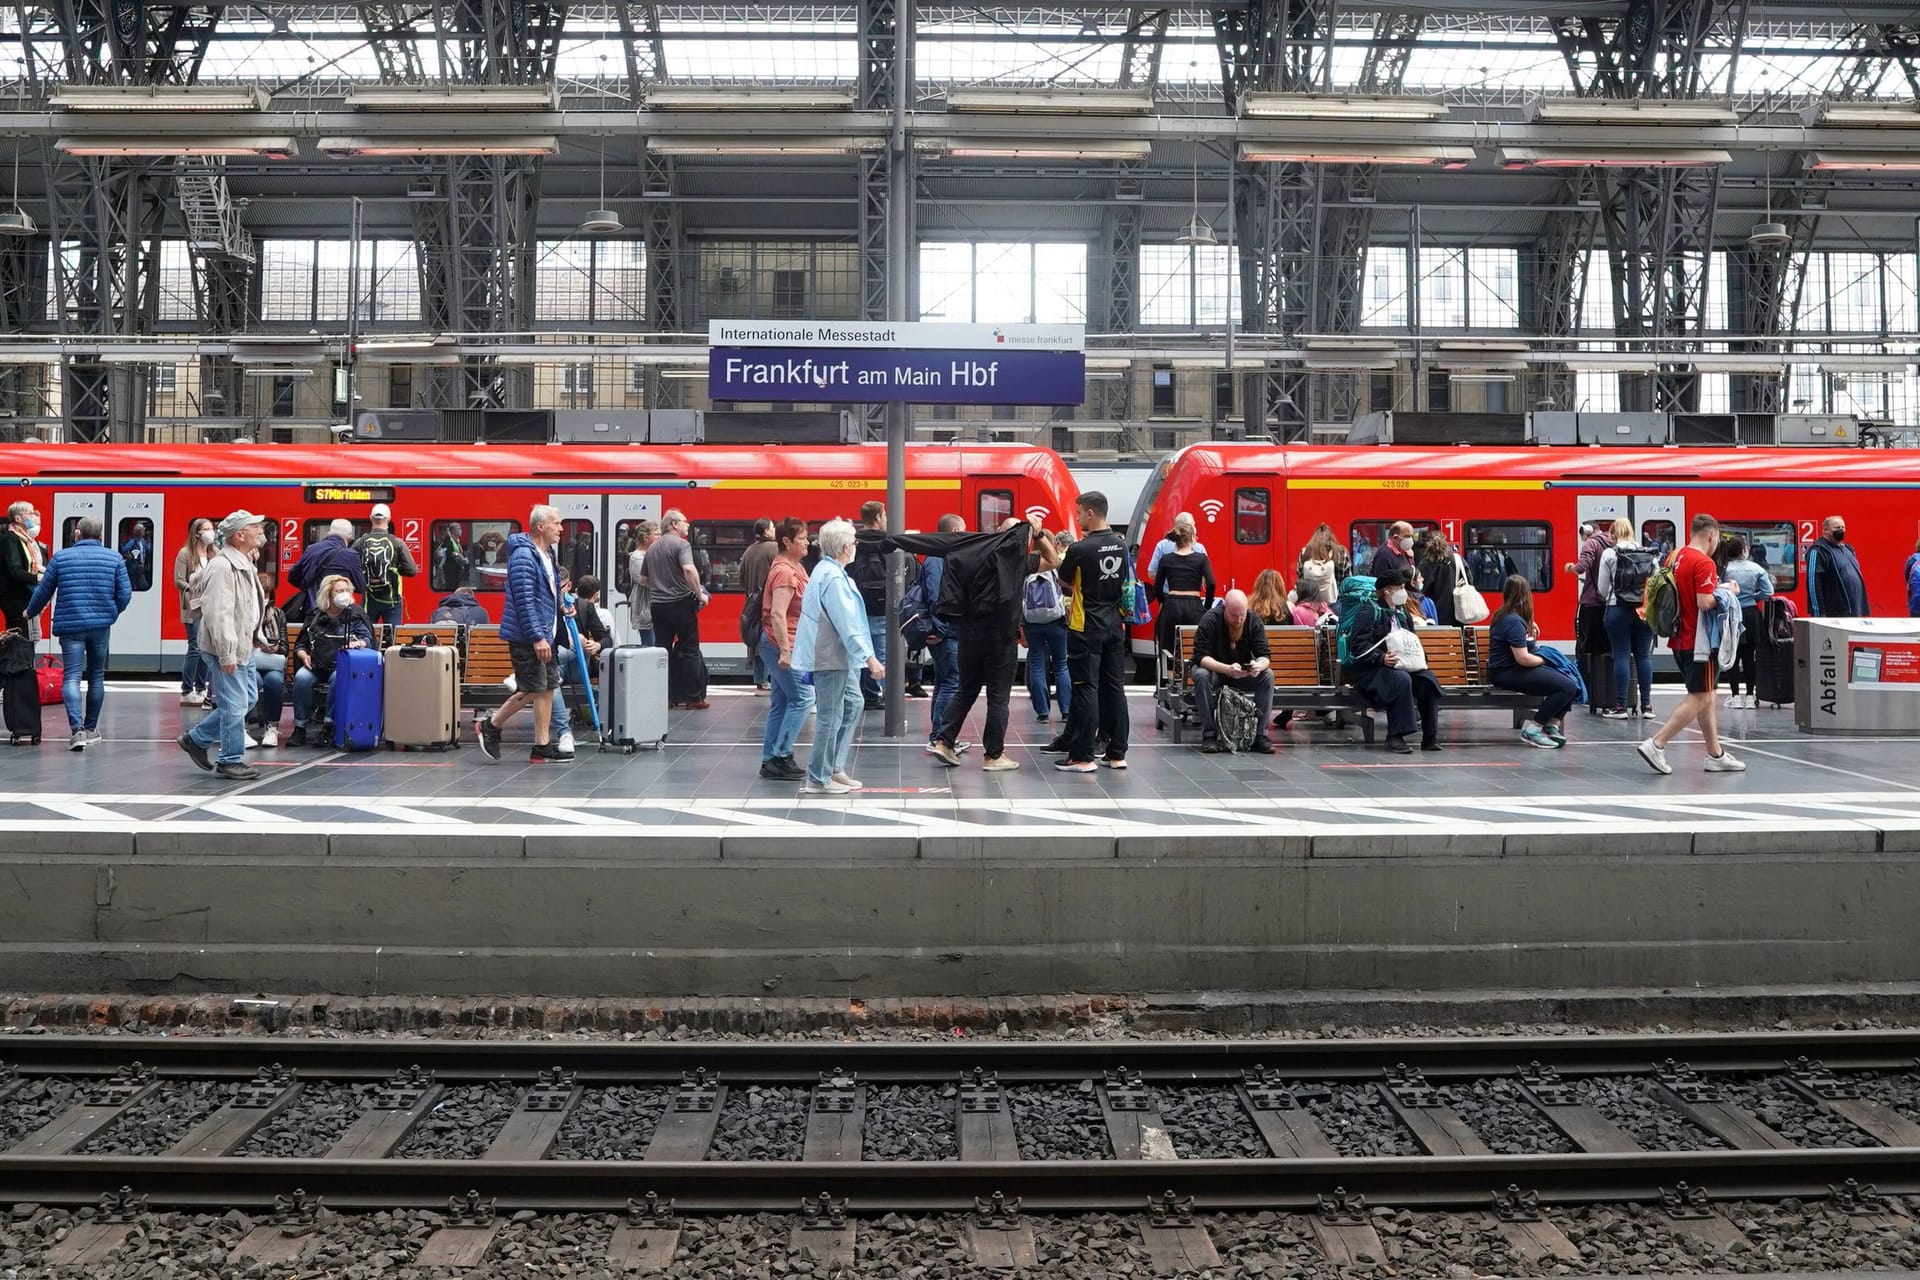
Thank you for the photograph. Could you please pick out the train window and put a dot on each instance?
(1659, 536)
(469, 553)
(134, 541)
(579, 549)
(1495, 552)
(1775, 547)
(70, 531)
(721, 543)
(1364, 537)
(1252, 516)
(315, 530)
(626, 540)
(996, 506)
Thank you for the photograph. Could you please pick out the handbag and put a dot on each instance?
(16, 653)
(1469, 606)
(1406, 647)
(49, 675)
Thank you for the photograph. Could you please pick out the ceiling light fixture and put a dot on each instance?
(1196, 231)
(1297, 152)
(157, 97)
(728, 97)
(1865, 161)
(1868, 115)
(1040, 147)
(601, 221)
(1353, 106)
(1768, 234)
(16, 222)
(1611, 157)
(272, 148)
(464, 97)
(1635, 111)
(1056, 101)
(478, 145)
(761, 145)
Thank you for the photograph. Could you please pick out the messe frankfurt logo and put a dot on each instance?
(999, 335)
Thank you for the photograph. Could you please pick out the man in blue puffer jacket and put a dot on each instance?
(530, 624)
(89, 588)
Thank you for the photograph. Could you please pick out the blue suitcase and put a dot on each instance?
(359, 696)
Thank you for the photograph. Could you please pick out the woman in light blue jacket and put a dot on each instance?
(832, 645)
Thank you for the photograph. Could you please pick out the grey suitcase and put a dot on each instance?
(633, 698)
(421, 698)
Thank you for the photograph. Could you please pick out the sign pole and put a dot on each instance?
(900, 260)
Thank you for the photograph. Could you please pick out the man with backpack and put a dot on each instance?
(1095, 570)
(1230, 654)
(869, 574)
(1676, 596)
(385, 560)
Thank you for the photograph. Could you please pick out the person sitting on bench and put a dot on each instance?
(1230, 652)
(338, 623)
(1375, 670)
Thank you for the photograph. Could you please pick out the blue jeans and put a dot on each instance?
(837, 699)
(1047, 646)
(761, 667)
(303, 682)
(559, 720)
(787, 706)
(871, 689)
(196, 670)
(226, 728)
(1631, 638)
(273, 689)
(643, 636)
(384, 615)
(945, 651)
(84, 649)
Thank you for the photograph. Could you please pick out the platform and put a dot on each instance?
(1327, 865)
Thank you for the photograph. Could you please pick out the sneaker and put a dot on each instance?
(548, 753)
(1655, 755)
(1534, 736)
(790, 768)
(77, 740)
(201, 759)
(194, 699)
(270, 737)
(1726, 762)
(1113, 762)
(298, 738)
(875, 704)
(827, 788)
(1261, 747)
(237, 772)
(1558, 734)
(1616, 713)
(1210, 747)
(1646, 713)
(1058, 747)
(1398, 746)
(998, 764)
(566, 743)
(945, 754)
(1075, 766)
(773, 771)
(848, 781)
(698, 704)
(916, 691)
(488, 736)
(1431, 744)
(252, 737)
(963, 747)
(762, 690)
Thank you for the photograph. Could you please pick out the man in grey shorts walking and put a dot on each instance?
(530, 625)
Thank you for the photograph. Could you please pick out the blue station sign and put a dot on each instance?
(871, 362)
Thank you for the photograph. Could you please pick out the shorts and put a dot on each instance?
(1698, 673)
(530, 675)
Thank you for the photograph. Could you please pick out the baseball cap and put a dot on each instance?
(237, 521)
(381, 511)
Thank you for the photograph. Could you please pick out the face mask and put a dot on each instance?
(342, 599)
(1406, 544)
(1839, 535)
(206, 536)
(33, 527)
(1397, 598)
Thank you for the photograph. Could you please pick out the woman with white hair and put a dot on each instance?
(832, 645)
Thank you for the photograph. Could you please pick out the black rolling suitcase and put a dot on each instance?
(21, 693)
(1773, 652)
(1596, 669)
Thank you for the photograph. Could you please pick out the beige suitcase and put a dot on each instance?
(422, 703)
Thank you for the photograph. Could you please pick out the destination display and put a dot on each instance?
(864, 362)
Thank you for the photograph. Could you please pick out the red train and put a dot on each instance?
(1519, 510)
(455, 505)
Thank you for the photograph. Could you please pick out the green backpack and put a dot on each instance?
(1355, 590)
(1661, 601)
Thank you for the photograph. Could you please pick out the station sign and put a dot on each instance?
(875, 362)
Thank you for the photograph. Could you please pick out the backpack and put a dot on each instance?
(1776, 625)
(1236, 719)
(869, 574)
(1041, 602)
(377, 558)
(1632, 566)
(1357, 590)
(1661, 602)
(1317, 571)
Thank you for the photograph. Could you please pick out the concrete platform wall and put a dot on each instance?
(845, 914)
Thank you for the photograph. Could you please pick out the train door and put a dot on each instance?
(132, 525)
(995, 502)
(1660, 522)
(582, 549)
(625, 511)
(1601, 510)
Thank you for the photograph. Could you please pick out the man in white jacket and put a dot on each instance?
(227, 589)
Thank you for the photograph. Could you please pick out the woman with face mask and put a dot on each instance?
(1375, 671)
(22, 561)
(200, 544)
(337, 624)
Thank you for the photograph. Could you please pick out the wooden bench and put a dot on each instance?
(1299, 672)
(485, 664)
(1456, 657)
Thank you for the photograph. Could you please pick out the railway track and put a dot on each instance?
(1458, 1124)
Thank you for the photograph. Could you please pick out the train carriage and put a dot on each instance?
(455, 507)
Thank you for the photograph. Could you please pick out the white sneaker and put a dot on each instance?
(1655, 756)
(194, 699)
(270, 738)
(566, 742)
(830, 788)
(848, 781)
(1726, 762)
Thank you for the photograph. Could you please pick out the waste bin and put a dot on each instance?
(1856, 675)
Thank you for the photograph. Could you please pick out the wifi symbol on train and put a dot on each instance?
(1212, 508)
(1037, 511)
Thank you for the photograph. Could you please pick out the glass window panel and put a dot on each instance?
(1252, 516)
(1811, 316)
(1165, 289)
(565, 280)
(286, 279)
(1493, 288)
(1386, 287)
(1060, 283)
(134, 540)
(1717, 285)
(1774, 545)
(1216, 284)
(1495, 552)
(996, 505)
(1853, 285)
(332, 259)
(395, 286)
(1596, 300)
(1901, 298)
(1364, 537)
(621, 277)
(1806, 389)
(1443, 302)
(1596, 391)
(469, 553)
(1003, 283)
(1716, 393)
(723, 542)
(176, 281)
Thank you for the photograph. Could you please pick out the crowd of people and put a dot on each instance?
(814, 622)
